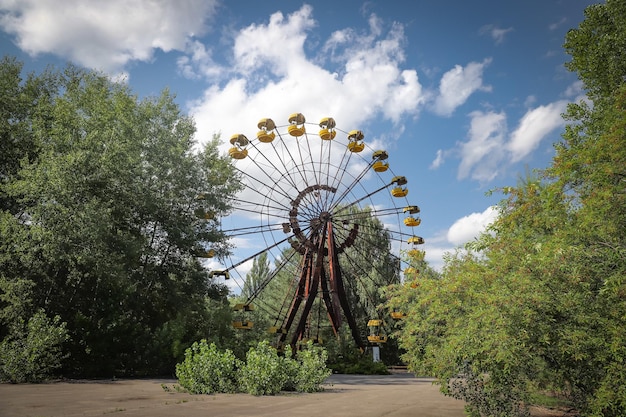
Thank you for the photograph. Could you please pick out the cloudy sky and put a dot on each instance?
(464, 96)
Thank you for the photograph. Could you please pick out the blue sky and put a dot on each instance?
(464, 96)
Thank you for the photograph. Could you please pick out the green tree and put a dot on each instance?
(23, 102)
(597, 49)
(259, 273)
(537, 303)
(102, 221)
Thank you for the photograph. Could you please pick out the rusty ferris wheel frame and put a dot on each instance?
(309, 197)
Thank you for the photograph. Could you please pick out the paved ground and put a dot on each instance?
(344, 396)
(397, 395)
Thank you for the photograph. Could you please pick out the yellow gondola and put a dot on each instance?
(398, 315)
(375, 327)
(327, 128)
(411, 209)
(239, 142)
(380, 166)
(379, 157)
(219, 273)
(399, 191)
(416, 254)
(265, 133)
(355, 143)
(205, 254)
(379, 338)
(416, 240)
(412, 221)
(237, 153)
(296, 127)
(399, 180)
(243, 325)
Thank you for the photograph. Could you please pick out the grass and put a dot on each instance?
(549, 400)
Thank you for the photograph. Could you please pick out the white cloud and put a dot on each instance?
(482, 153)
(458, 84)
(469, 227)
(491, 146)
(556, 25)
(104, 35)
(438, 161)
(534, 126)
(462, 231)
(271, 70)
(198, 63)
(279, 45)
(496, 33)
(530, 100)
(575, 90)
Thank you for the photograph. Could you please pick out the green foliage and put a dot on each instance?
(358, 365)
(98, 194)
(32, 352)
(597, 48)
(206, 370)
(537, 304)
(311, 369)
(345, 358)
(265, 372)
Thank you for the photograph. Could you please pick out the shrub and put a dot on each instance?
(359, 364)
(292, 367)
(311, 369)
(32, 352)
(264, 373)
(206, 370)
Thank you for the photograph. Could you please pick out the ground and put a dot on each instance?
(394, 395)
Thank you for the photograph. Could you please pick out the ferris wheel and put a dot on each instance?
(328, 212)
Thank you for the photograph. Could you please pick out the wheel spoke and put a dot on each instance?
(323, 214)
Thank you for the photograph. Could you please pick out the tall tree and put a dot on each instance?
(106, 226)
(538, 302)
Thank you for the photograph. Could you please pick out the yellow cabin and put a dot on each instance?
(355, 138)
(221, 273)
(296, 128)
(239, 142)
(327, 128)
(265, 133)
(412, 221)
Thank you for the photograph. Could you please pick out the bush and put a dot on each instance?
(311, 369)
(32, 352)
(206, 370)
(264, 373)
(359, 364)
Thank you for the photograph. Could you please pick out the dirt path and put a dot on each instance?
(397, 395)
(344, 396)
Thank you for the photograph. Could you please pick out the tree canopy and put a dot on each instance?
(99, 193)
(538, 303)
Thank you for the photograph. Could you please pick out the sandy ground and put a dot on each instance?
(394, 395)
